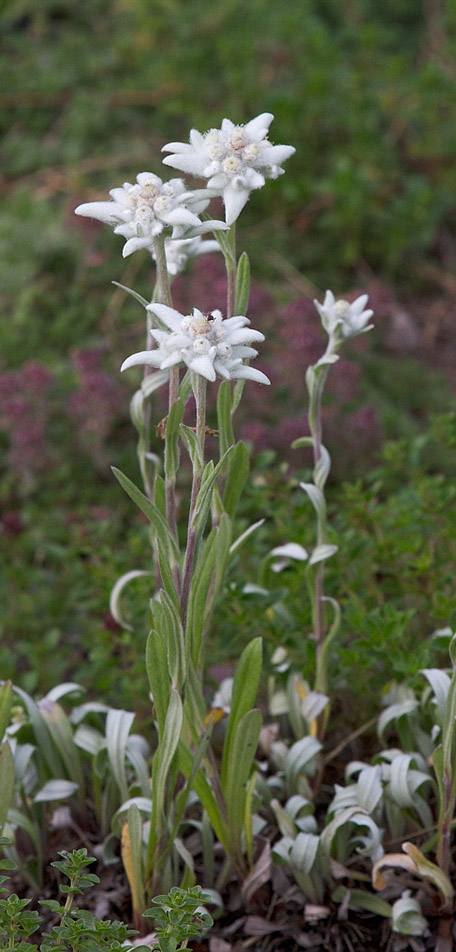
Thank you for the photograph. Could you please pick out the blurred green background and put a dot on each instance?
(89, 93)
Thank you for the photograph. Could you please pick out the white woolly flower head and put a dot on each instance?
(205, 343)
(344, 318)
(234, 159)
(140, 212)
(178, 251)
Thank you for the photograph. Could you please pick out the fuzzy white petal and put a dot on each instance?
(167, 315)
(102, 211)
(193, 164)
(234, 200)
(150, 357)
(257, 128)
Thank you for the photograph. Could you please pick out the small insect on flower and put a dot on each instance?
(206, 344)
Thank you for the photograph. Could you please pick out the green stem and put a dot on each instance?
(315, 425)
(164, 297)
(200, 398)
(231, 272)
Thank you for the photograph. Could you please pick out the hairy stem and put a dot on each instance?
(164, 297)
(200, 398)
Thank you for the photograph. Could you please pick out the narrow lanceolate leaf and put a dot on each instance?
(118, 726)
(440, 684)
(198, 595)
(322, 552)
(224, 411)
(209, 476)
(42, 735)
(6, 781)
(166, 750)
(115, 606)
(158, 674)
(321, 471)
(237, 477)
(61, 730)
(245, 686)
(155, 517)
(245, 743)
(316, 497)
(137, 297)
(167, 620)
(244, 536)
(242, 284)
(204, 792)
(55, 790)
(131, 850)
(172, 440)
(193, 446)
(6, 694)
(302, 441)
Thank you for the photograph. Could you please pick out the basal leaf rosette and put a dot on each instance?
(206, 343)
(235, 159)
(143, 211)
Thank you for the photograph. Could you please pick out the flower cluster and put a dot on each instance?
(342, 318)
(234, 159)
(207, 344)
(141, 212)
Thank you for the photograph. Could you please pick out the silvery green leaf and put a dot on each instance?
(144, 804)
(242, 284)
(302, 441)
(361, 899)
(316, 497)
(63, 690)
(291, 550)
(322, 468)
(371, 844)
(193, 445)
(172, 440)
(285, 822)
(301, 758)
(118, 726)
(243, 538)
(116, 593)
(6, 781)
(399, 780)
(89, 739)
(393, 713)
(369, 788)
(304, 851)
(407, 918)
(153, 382)
(91, 707)
(452, 649)
(278, 703)
(440, 684)
(137, 297)
(281, 849)
(313, 705)
(321, 553)
(55, 790)
(354, 768)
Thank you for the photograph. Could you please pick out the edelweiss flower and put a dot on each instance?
(206, 343)
(178, 251)
(349, 319)
(234, 159)
(140, 212)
